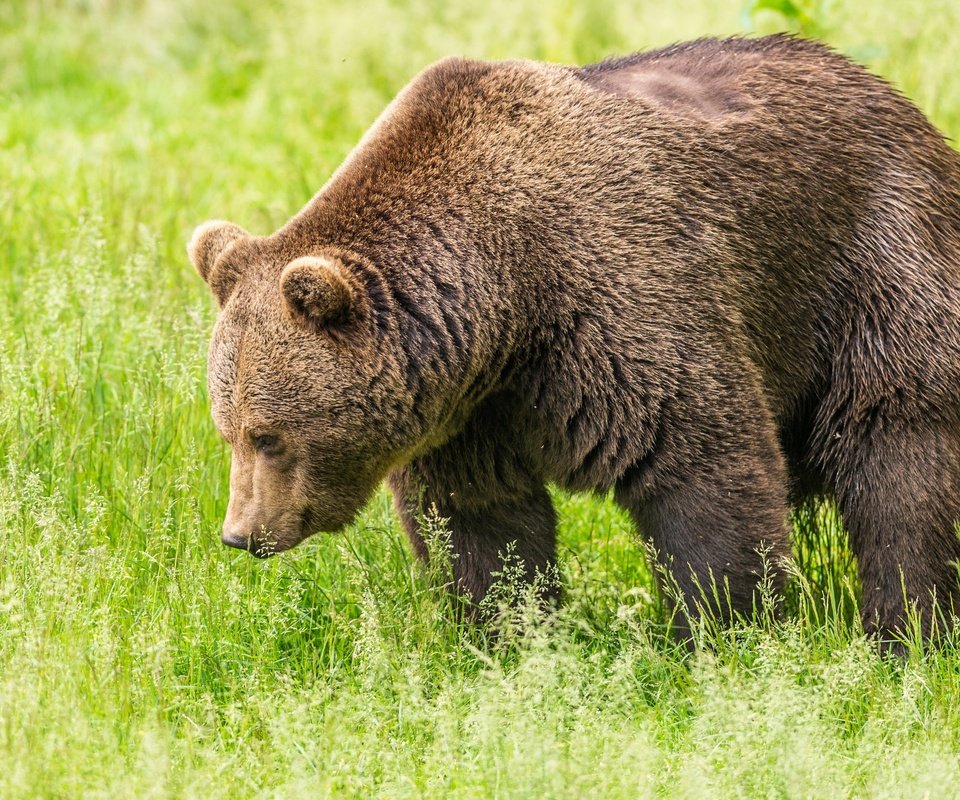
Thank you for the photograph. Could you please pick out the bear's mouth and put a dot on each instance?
(271, 544)
(263, 546)
(268, 543)
(260, 549)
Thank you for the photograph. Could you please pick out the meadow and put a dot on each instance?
(139, 658)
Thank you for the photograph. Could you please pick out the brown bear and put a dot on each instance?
(715, 278)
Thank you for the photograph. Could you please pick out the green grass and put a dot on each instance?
(139, 658)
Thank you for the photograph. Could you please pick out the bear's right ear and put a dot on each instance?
(208, 243)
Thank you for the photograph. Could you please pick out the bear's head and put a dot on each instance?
(300, 385)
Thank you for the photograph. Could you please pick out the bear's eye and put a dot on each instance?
(266, 443)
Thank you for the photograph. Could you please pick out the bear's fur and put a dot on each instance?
(716, 278)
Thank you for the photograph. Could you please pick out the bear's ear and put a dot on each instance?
(319, 293)
(209, 242)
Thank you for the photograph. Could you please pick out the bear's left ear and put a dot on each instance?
(319, 292)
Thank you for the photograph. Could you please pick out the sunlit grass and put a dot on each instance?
(140, 658)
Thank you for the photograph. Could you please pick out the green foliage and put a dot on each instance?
(140, 658)
(808, 17)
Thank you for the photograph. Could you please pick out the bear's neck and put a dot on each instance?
(454, 321)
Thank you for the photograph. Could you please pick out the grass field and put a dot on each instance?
(139, 658)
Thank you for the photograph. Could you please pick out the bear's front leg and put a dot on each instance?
(482, 528)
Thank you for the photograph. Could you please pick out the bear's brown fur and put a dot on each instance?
(715, 278)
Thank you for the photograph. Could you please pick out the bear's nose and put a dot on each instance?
(236, 537)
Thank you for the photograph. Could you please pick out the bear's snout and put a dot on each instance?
(262, 543)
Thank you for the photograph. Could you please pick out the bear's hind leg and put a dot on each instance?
(898, 491)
